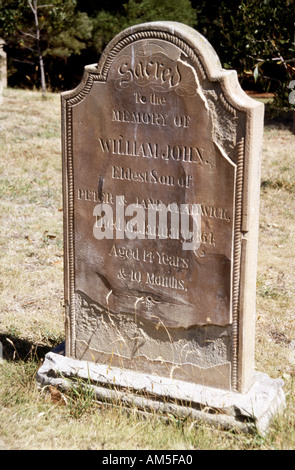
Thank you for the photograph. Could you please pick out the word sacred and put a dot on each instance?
(157, 69)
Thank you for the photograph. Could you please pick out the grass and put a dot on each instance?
(31, 299)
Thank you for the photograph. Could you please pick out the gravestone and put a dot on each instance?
(3, 68)
(161, 178)
(3, 64)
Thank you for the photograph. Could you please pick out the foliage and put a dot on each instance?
(257, 38)
(254, 37)
(152, 10)
(68, 29)
(61, 31)
(64, 30)
(108, 23)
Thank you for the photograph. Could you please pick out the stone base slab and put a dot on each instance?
(151, 393)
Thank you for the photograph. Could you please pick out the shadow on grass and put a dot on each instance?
(282, 120)
(13, 348)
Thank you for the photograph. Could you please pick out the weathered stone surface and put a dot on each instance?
(253, 410)
(158, 121)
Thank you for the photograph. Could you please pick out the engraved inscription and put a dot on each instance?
(152, 279)
(153, 99)
(153, 148)
(156, 124)
(150, 118)
(153, 119)
(133, 148)
(191, 209)
(148, 256)
(150, 66)
(157, 69)
(137, 117)
(152, 176)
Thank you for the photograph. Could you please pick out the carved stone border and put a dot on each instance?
(71, 99)
(149, 34)
(237, 261)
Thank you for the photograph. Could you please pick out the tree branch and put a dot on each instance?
(44, 6)
(28, 34)
(32, 7)
(281, 58)
(24, 61)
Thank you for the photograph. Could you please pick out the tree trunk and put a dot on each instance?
(42, 73)
(34, 8)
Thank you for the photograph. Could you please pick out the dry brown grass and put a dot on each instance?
(31, 217)
(31, 297)
(276, 286)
